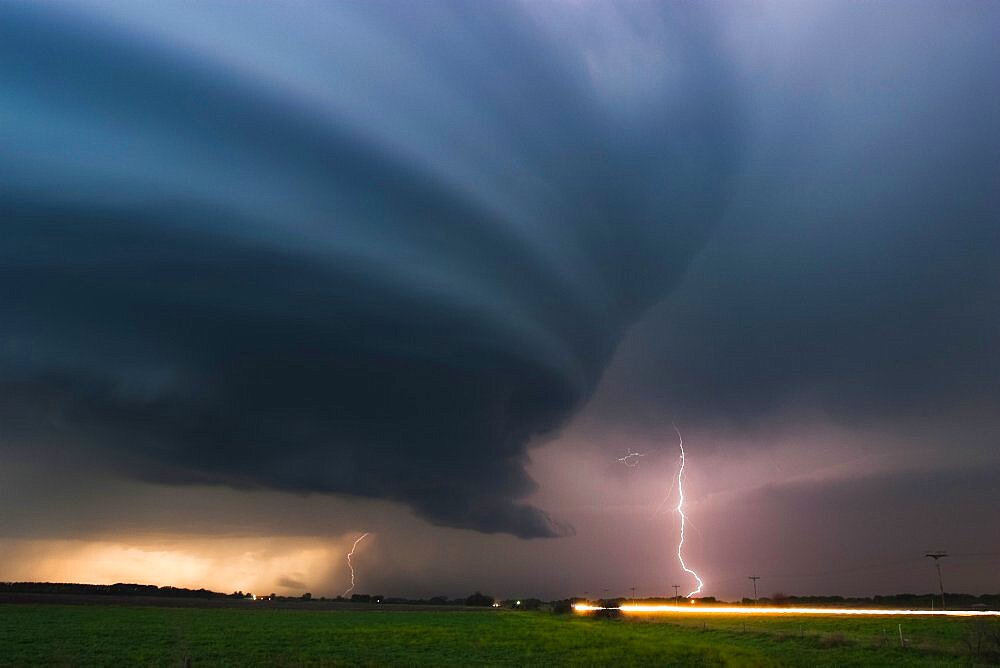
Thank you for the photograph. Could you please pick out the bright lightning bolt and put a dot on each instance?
(351, 566)
(631, 458)
(680, 511)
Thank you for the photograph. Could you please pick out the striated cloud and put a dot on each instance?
(362, 250)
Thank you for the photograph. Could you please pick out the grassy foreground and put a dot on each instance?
(117, 635)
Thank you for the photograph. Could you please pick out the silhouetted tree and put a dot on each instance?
(563, 607)
(479, 599)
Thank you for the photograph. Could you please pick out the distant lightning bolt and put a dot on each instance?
(680, 511)
(351, 566)
(631, 458)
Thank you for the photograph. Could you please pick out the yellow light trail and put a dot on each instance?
(737, 610)
(680, 511)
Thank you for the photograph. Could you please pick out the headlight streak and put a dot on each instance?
(680, 511)
(738, 610)
(351, 566)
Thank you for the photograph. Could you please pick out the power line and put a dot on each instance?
(937, 556)
(755, 578)
(839, 571)
(912, 561)
(974, 554)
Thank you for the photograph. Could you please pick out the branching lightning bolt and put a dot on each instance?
(666, 499)
(680, 511)
(631, 458)
(351, 566)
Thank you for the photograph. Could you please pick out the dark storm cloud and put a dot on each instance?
(357, 250)
(857, 270)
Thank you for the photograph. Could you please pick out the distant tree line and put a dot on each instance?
(479, 599)
(119, 589)
(901, 601)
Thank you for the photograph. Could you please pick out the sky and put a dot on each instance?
(273, 276)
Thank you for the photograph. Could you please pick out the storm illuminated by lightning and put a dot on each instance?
(350, 565)
(680, 511)
(631, 458)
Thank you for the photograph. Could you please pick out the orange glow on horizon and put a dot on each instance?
(287, 565)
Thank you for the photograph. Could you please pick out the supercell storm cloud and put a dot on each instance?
(302, 271)
(339, 249)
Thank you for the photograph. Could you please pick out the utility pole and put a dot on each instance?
(633, 592)
(936, 556)
(677, 595)
(755, 578)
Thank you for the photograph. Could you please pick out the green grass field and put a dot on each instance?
(32, 634)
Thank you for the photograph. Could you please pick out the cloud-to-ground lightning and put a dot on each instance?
(680, 511)
(350, 565)
(631, 458)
